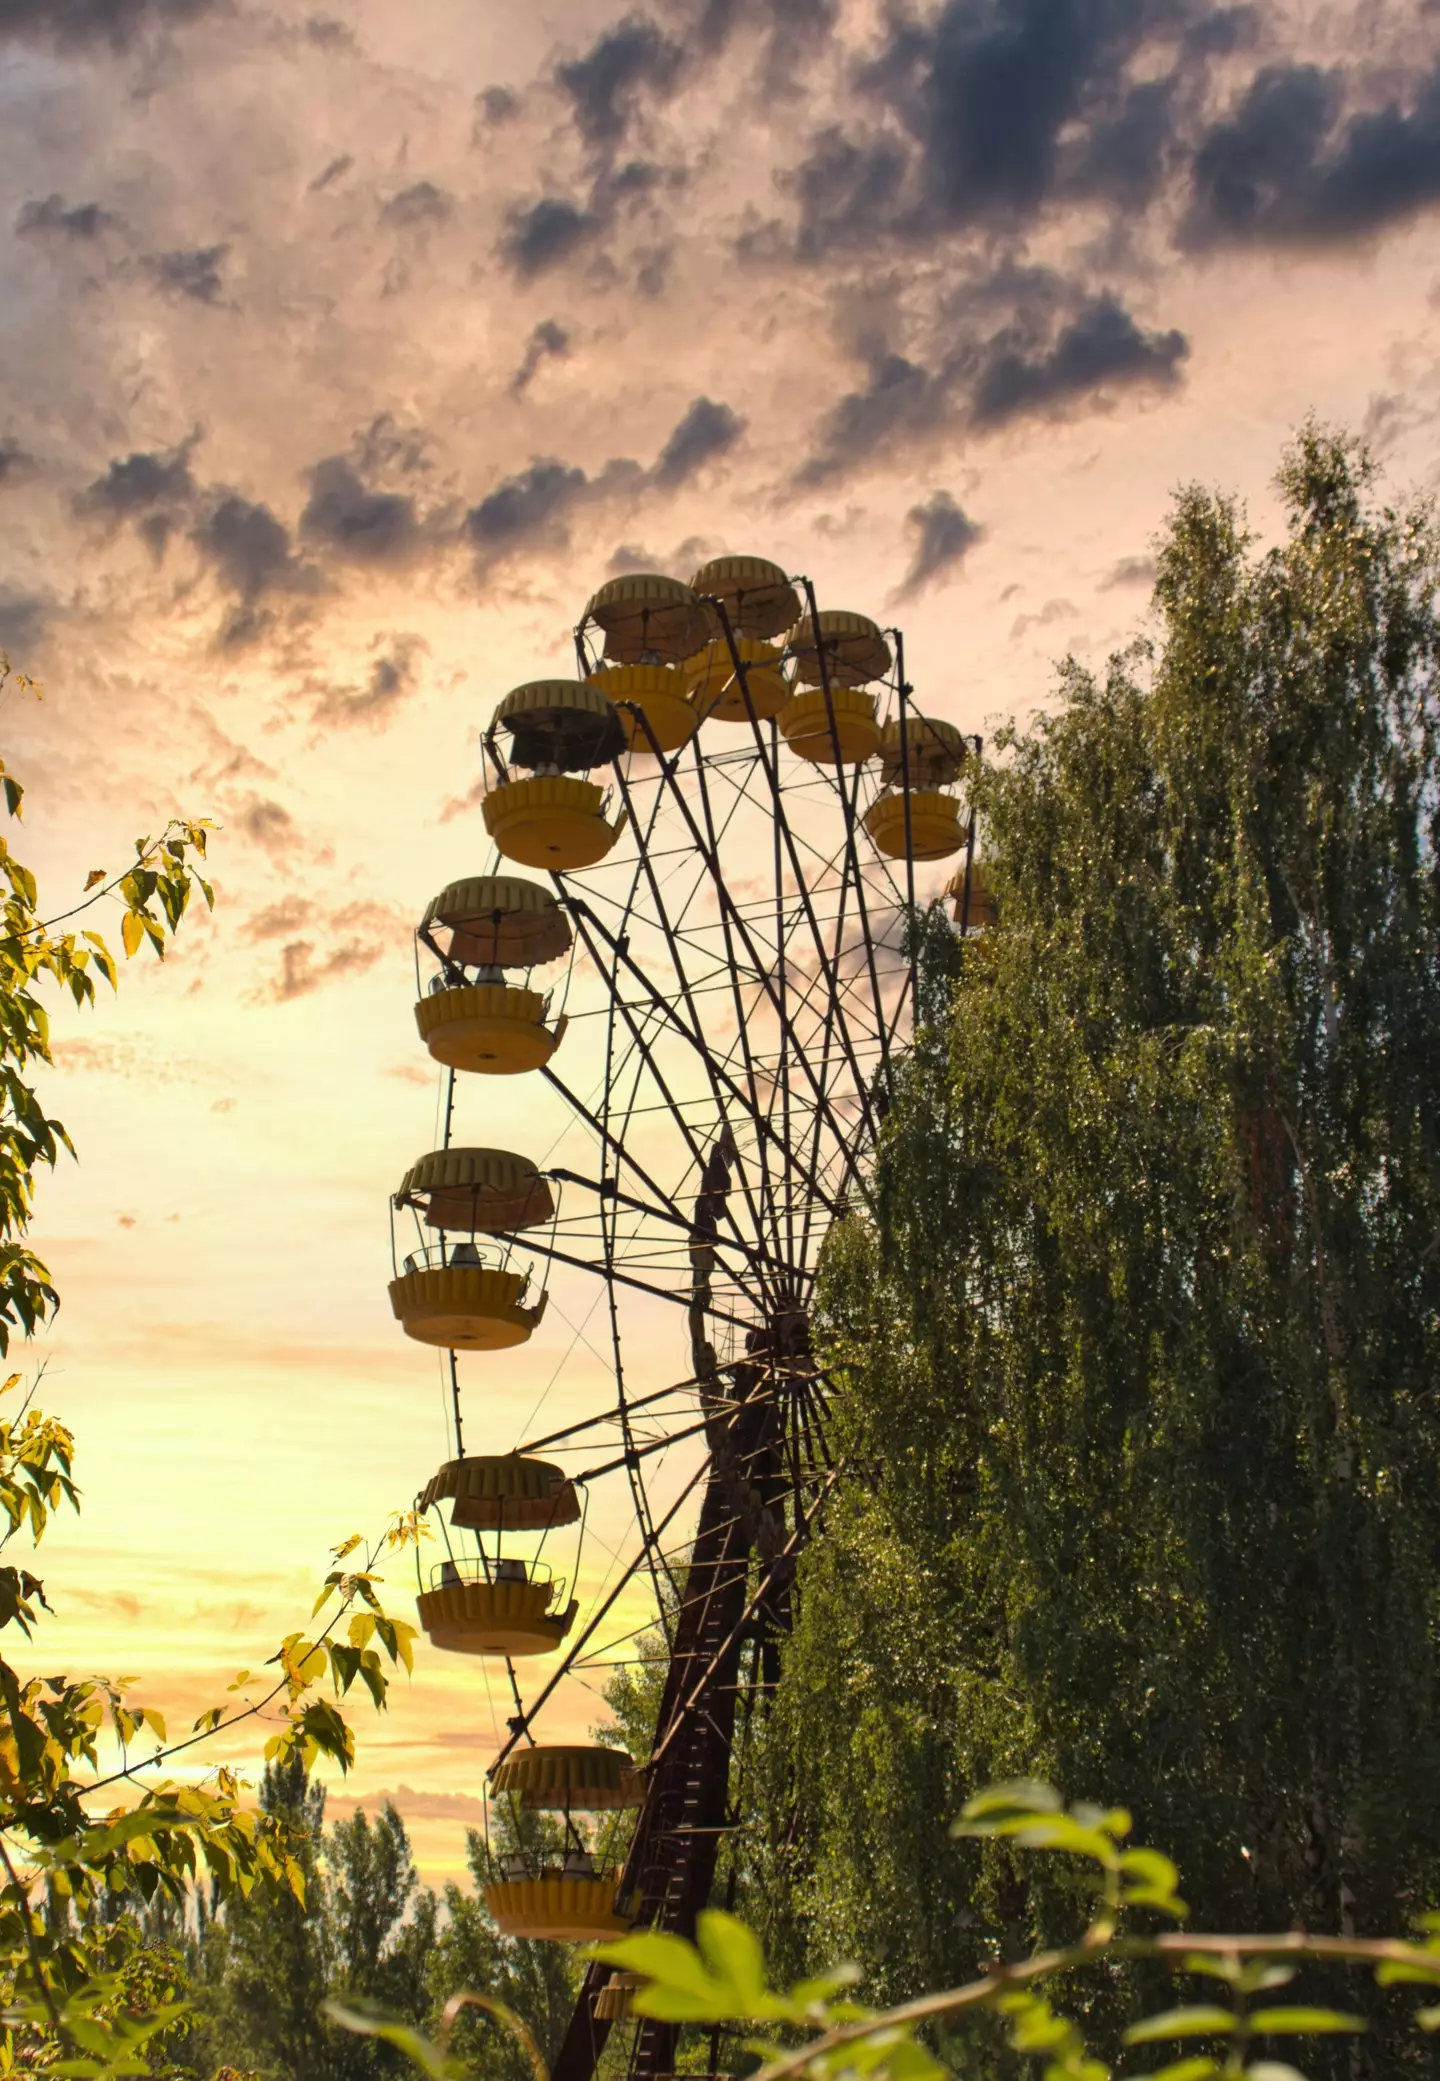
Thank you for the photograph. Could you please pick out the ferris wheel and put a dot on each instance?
(731, 800)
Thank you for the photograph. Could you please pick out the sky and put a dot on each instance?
(342, 356)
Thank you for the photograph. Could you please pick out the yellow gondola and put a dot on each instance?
(853, 648)
(805, 724)
(980, 911)
(658, 693)
(758, 597)
(512, 1610)
(561, 1778)
(717, 690)
(577, 1900)
(914, 812)
(557, 728)
(504, 1492)
(611, 2003)
(483, 1023)
(573, 1907)
(447, 1294)
(647, 619)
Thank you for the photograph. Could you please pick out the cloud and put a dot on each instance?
(528, 506)
(51, 218)
(545, 233)
(706, 430)
(1042, 361)
(534, 506)
(358, 935)
(943, 535)
(249, 549)
(190, 271)
(497, 104)
(267, 824)
(413, 1805)
(1052, 611)
(23, 620)
(302, 971)
(394, 675)
(278, 920)
(548, 338)
(602, 85)
(1285, 167)
(1099, 348)
(421, 203)
(328, 34)
(15, 462)
(77, 22)
(1129, 570)
(152, 488)
(330, 174)
(374, 527)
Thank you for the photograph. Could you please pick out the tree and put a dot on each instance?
(76, 1981)
(1138, 1350)
(264, 1964)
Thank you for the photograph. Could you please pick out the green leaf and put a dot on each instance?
(733, 1954)
(1000, 1802)
(1194, 2020)
(1197, 2068)
(367, 2022)
(1317, 2023)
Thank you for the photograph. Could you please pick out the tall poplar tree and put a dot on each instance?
(1140, 1353)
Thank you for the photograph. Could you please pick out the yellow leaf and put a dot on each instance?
(132, 931)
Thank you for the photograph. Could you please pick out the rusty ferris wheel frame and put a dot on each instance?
(757, 991)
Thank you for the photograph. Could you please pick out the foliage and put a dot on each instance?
(1137, 1362)
(70, 1982)
(818, 2028)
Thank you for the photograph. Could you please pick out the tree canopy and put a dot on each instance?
(1137, 1357)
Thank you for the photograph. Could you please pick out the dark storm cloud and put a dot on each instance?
(15, 462)
(706, 430)
(497, 104)
(139, 483)
(249, 549)
(1288, 164)
(998, 110)
(535, 502)
(989, 111)
(900, 400)
(151, 490)
(1045, 359)
(51, 218)
(602, 85)
(191, 271)
(547, 232)
(23, 619)
(421, 203)
(547, 339)
(943, 534)
(344, 515)
(75, 22)
(1100, 348)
